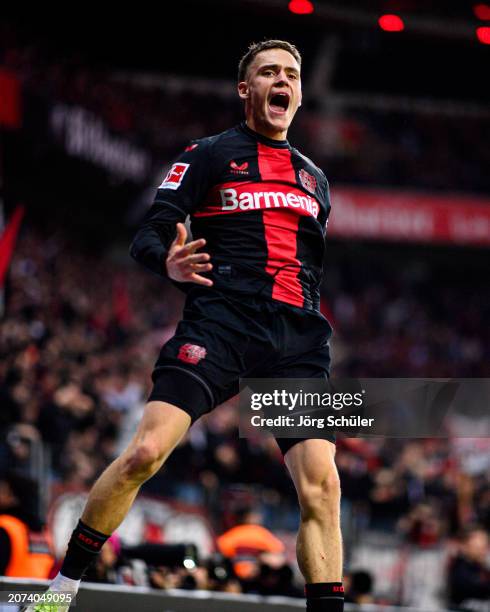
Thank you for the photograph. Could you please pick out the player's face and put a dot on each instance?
(272, 92)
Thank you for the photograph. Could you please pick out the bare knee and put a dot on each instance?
(142, 460)
(320, 499)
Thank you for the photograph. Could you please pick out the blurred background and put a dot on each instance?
(396, 112)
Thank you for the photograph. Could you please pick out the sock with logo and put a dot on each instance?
(84, 546)
(324, 597)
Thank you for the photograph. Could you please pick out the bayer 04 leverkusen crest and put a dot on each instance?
(307, 180)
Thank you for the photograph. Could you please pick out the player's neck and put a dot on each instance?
(263, 130)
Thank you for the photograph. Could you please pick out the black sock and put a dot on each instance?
(84, 546)
(324, 597)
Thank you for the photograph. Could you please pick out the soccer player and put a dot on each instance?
(259, 209)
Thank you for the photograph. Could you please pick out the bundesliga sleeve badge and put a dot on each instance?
(174, 176)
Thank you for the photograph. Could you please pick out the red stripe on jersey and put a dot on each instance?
(281, 228)
(275, 164)
(244, 196)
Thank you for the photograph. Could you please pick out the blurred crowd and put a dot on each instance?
(408, 314)
(425, 150)
(78, 339)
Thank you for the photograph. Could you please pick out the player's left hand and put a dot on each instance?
(184, 264)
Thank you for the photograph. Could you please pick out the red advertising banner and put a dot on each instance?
(412, 217)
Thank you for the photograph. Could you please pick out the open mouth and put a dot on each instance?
(279, 102)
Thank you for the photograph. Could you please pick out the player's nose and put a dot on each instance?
(281, 79)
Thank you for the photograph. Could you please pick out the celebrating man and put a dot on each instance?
(259, 208)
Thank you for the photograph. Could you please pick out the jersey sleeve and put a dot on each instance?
(181, 191)
(188, 180)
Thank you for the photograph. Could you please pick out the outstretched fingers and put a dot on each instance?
(183, 263)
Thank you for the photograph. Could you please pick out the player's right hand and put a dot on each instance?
(183, 263)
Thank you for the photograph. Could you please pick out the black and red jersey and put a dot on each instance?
(261, 206)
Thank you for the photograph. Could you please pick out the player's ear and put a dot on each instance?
(243, 91)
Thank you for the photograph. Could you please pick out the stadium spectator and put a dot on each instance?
(359, 587)
(24, 549)
(246, 542)
(469, 573)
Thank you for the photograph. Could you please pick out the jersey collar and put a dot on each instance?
(270, 142)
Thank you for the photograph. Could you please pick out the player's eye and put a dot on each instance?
(293, 76)
(268, 72)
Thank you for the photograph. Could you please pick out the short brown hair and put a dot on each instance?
(256, 48)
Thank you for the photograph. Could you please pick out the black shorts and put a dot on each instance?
(225, 337)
